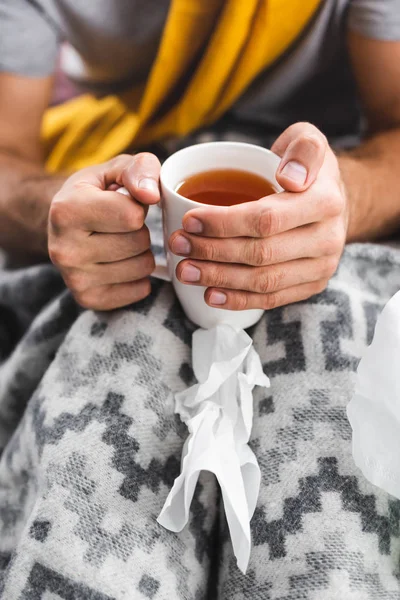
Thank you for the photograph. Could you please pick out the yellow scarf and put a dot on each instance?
(210, 51)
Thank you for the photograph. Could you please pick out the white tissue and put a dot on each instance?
(374, 411)
(218, 412)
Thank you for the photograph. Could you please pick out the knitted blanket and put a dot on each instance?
(91, 446)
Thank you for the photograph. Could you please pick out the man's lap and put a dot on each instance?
(95, 453)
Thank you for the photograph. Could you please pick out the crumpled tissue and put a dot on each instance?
(374, 411)
(218, 412)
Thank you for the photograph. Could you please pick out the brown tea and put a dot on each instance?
(225, 187)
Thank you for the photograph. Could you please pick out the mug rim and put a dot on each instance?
(193, 148)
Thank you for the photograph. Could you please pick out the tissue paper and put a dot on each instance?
(374, 411)
(218, 412)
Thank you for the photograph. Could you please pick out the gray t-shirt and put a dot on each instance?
(112, 43)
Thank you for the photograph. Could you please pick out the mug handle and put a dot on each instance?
(161, 271)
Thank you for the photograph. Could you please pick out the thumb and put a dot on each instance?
(302, 148)
(141, 178)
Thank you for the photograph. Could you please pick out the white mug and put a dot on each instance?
(178, 167)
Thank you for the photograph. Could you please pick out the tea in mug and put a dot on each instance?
(225, 187)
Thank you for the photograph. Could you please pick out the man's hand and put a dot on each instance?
(97, 237)
(277, 250)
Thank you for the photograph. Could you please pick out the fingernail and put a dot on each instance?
(148, 184)
(295, 171)
(181, 245)
(217, 298)
(193, 225)
(190, 273)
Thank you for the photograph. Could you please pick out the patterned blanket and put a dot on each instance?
(91, 445)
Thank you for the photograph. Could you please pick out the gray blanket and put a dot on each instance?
(91, 446)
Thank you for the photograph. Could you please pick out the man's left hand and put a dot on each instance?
(280, 249)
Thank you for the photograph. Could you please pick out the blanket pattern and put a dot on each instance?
(90, 446)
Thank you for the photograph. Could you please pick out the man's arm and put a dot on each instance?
(96, 237)
(284, 248)
(371, 172)
(26, 190)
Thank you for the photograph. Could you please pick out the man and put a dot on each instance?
(341, 72)
(351, 184)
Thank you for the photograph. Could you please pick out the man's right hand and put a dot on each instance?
(97, 237)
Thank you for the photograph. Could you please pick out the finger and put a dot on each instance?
(75, 251)
(99, 248)
(139, 174)
(89, 208)
(263, 218)
(113, 247)
(108, 297)
(302, 148)
(141, 178)
(130, 269)
(242, 300)
(291, 133)
(262, 280)
(308, 241)
(102, 176)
